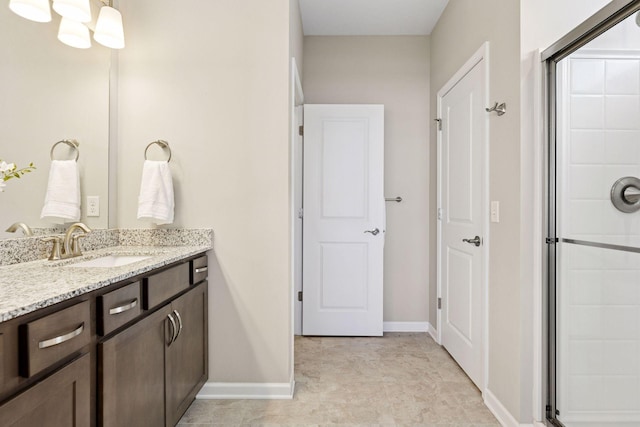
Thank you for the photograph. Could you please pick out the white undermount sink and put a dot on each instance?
(110, 261)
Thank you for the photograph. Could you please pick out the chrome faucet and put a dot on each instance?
(26, 230)
(71, 243)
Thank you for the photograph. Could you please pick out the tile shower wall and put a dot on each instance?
(598, 289)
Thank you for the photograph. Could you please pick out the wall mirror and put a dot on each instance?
(50, 92)
(594, 245)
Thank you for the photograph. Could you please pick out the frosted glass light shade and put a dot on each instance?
(76, 10)
(74, 34)
(109, 31)
(33, 10)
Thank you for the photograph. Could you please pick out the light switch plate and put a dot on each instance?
(495, 211)
(93, 206)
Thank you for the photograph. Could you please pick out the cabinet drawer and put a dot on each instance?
(198, 270)
(118, 307)
(160, 287)
(49, 339)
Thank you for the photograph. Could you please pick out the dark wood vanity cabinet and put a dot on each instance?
(131, 354)
(150, 372)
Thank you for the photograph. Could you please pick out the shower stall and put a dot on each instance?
(593, 222)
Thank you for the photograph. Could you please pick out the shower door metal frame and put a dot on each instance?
(607, 17)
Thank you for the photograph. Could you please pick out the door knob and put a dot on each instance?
(374, 232)
(475, 241)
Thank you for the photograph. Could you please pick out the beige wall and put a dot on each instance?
(463, 27)
(212, 78)
(393, 71)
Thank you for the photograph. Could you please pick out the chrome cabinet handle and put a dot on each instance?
(374, 232)
(179, 322)
(201, 269)
(62, 338)
(123, 308)
(475, 241)
(174, 328)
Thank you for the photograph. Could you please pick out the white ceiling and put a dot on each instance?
(370, 17)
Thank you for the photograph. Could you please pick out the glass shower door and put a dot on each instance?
(597, 220)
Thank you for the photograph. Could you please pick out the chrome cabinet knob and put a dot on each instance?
(475, 241)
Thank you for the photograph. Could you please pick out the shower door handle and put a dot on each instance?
(475, 241)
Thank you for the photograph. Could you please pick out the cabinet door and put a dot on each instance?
(60, 400)
(187, 356)
(131, 374)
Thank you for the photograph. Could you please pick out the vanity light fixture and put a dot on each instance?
(77, 20)
(74, 34)
(109, 31)
(75, 10)
(33, 10)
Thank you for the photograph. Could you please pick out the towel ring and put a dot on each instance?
(71, 143)
(161, 143)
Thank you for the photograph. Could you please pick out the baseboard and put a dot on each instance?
(434, 334)
(405, 326)
(214, 390)
(498, 410)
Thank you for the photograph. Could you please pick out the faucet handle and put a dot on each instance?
(75, 244)
(55, 248)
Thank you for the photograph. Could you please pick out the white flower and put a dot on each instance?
(9, 171)
(5, 167)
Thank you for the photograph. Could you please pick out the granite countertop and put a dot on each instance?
(29, 286)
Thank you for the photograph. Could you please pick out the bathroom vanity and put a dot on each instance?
(94, 346)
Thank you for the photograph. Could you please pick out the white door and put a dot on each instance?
(343, 227)
(461, 225)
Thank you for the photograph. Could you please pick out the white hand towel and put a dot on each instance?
(62, 201)
(155, 202)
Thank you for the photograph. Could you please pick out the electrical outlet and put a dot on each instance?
(93, 206)
(495, 211)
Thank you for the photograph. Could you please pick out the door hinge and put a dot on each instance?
(551, 240)
(439, 303)
(301, 130)
(439, 214)
(301, 213)
(299, 295)
(439, 123)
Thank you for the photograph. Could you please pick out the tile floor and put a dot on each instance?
(401, 379)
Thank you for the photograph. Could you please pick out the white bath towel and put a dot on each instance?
(155, 202)
(62, 201)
